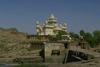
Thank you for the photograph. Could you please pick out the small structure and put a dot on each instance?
(83, 44)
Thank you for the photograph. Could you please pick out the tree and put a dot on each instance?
(82, 33)
(90, 39)
(74, 35)
(60, 33)
(86, 36)
(96, 35)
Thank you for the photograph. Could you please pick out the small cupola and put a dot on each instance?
(52, 18)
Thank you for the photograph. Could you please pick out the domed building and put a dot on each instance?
(50, 27)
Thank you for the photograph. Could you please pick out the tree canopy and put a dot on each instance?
(92, 38)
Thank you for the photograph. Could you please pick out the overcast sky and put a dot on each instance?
(78, 14)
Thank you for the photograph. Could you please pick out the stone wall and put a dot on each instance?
(53, 46)
(56, 57)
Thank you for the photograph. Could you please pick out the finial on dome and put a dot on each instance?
(37, 22)
(65, 24)
(52, 16)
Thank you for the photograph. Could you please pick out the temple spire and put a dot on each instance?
(52, 18)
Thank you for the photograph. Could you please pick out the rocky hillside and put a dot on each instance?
(12, 42)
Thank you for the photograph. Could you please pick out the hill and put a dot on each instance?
(12, 42)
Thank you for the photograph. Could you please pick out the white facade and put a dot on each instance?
(50, 27)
